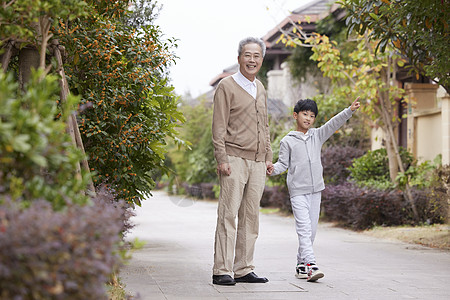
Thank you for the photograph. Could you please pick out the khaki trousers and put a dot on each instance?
(240, 195)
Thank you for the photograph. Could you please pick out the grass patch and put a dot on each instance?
(434, 236)
(269, 210)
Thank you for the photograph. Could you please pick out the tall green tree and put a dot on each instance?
(419, 30)
(117, 63)
(370, 76)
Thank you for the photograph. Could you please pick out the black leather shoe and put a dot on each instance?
(251, 278)
(223, 280)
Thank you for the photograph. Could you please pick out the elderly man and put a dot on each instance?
(240, 134)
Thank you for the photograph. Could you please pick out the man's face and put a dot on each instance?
(250, 60)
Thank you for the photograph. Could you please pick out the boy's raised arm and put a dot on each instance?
(355, 105)
(326, 130)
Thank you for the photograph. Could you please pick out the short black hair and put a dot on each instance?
(305, 105)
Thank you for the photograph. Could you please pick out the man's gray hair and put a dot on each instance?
(252, 40)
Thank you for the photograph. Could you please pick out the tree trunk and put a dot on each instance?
(6, 56)
(28, 59)
(395, 161)
(392, 158)
(72, 124)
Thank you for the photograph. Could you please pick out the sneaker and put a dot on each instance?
(300, 271)
(313, 272)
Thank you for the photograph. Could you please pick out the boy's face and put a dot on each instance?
(305, 119)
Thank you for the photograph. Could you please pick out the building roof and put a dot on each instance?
(226, 72)
(317, 7)
(307, 14)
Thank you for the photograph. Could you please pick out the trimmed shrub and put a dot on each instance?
(208, 190)
(276, 196)
(372, 169)
(67, 254)
(203, 190)
(336, 160)
(361, 207)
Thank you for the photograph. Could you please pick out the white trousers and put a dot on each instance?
(306, 209)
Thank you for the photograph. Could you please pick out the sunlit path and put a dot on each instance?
(176, 262)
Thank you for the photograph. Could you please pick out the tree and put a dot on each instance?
(37, 158)
(115, 61)
(419, 30)
(364, 73)
(117, 65)
(371, 76)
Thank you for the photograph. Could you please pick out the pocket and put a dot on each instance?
(297, 177)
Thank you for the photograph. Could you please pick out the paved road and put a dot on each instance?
(176, 262)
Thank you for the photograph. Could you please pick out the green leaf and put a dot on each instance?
(374, 16)
(20, 143)
(39, 160)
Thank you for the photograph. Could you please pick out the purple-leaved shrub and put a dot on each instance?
(336, 160)
(361, 207)
(67, 254)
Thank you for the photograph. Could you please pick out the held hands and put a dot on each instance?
(269, 167)
(225, 169)
(355, 105)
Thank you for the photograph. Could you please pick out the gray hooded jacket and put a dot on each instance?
(302, 157)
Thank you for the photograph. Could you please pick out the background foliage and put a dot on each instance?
(362, 207)
(196, 164)
(68, 248)
(116, 63)
(419, 30)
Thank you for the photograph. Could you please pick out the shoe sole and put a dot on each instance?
(247, 281)
(301, 276)
(315, 277)
(227, 283)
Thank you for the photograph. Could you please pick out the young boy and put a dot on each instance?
(300, 154)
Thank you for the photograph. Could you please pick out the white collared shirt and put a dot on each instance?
(247, 85)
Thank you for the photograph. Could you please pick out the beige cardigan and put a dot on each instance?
(240, 125)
